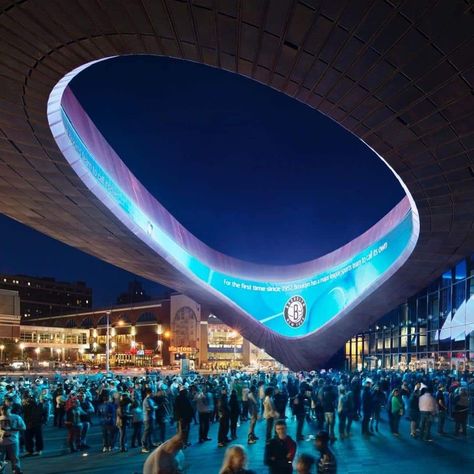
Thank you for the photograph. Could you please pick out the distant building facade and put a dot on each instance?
(158, 332)
(44, 296)
(434, 329)
(9, 314)
(135, 294)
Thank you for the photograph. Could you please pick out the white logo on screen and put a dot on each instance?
(295, 311)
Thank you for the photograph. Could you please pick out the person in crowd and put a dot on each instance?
(237, 384)
(299, 411)
(234, 407)
(343, 411)
(235, 461)
(74, 425)
(245, 402)
(280, 399)
(396, 410)
(378, 401)
(107, 416)
(428, 410)
(442, 408)
(216, 394)
(367, 407)
(183, 412)
(269, 413)
(405, 394)
(161, 413)
(137, 423)
(316, 402)
(414, 411)
(168, 458)
(224, 418)
(460, 411)
(148, 407)
(204, 406)
(328, 400)
(10, 427)
(86, 417)
(253, 411)
(356, 389)
(327, 460)
(192, 392)
(305, 464)
(123, 417)
(261, 395)
(60, 408)
(34, 416)
(280, 451)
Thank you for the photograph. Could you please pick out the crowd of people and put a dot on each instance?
(145, 412)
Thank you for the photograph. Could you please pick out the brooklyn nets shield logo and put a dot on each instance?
(295, 311)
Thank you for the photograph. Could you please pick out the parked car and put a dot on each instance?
(18, 365)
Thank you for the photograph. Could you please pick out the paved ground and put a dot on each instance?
(381, 454)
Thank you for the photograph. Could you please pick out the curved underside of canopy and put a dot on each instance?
(398, 76)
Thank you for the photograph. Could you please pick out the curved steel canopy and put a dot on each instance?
(398, 76)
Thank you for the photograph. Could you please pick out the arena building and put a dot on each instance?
(396, 75)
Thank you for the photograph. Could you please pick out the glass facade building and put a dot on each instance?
(433, 329)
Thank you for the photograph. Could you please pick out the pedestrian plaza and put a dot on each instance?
(381, 454)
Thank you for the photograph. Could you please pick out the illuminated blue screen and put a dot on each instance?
(290, 308)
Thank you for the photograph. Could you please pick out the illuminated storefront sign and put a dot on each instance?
(182, 350)
(225, 348)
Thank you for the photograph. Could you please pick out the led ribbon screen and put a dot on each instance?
(290, 308)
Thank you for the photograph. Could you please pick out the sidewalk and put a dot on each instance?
(380, 454)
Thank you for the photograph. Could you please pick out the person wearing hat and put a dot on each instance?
(327, 460)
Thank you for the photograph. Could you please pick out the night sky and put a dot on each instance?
(249, 171)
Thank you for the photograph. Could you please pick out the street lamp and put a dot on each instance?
(37, 350)
(107, 344)
(2, 348)
(58, 351)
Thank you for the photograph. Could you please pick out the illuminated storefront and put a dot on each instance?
(432, 330)
(225, 347)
